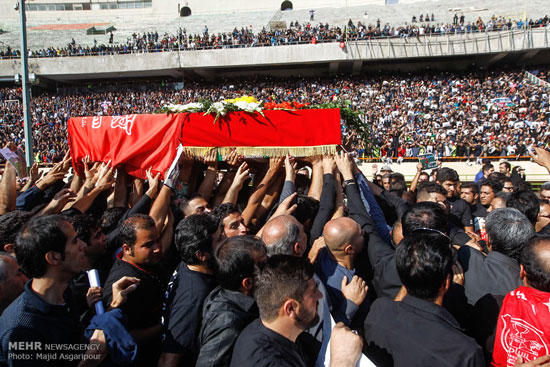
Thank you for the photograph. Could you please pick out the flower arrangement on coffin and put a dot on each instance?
(352, 118)
(219, 109)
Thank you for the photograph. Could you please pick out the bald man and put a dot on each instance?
(284, 235)
(336, 268)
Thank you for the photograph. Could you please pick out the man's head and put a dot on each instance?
(196, 204)
(140, 241)
(10, 225)
(284, 288)
(235, 261)
(385, 170)
(386, 181)
(508, 230)
(230, 219)
(424, 215)
(12, 280)
(431, 191)
(487, 169)
(543, 219)
(505, 168)
(424, 261)
(545, 191)
(448, 178)
(423, 177)
(469, 192)
(499, 201)
(535, 263)
(88, 230)
(343, 237)
(48, 246)
(507, 185)
(526, 202)
(488, 190)
(195, 237)
(284, 235)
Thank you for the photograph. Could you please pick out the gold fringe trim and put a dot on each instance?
(263, 152)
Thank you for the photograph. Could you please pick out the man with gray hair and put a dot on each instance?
(284, 235)
(508, 230)
(545, 191)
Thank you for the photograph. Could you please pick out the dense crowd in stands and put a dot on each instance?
(296, 33)
(448, 114)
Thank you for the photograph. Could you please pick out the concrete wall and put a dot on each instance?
(356, 52)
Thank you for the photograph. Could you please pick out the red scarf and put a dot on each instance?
(523, 327)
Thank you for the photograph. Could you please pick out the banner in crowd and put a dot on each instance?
(142, 141)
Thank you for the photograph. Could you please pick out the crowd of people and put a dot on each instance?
(261, 263)
(296, 33)
(471, 115)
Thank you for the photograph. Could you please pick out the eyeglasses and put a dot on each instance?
(431, 230)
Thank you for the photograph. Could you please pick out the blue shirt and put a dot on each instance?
(39, 324)
(331, 274)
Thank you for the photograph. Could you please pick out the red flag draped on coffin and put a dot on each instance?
(300, 132)
(135, 141)
(142, 141)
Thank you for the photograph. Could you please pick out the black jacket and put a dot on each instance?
(415, 332)
(495, 273)
(224, 315)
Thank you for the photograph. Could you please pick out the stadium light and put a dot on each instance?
(25, 85)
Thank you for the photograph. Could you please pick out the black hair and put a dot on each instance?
(495, 185)
(235, 260)
(424, 260)
(280, 278)
(110, 218)
(223, 210)
(194, 233)
(446, 174)
(40, 236)
(470, 185)
(507, 165)
(526, 202)
(537, 266)
(185, 201)
(429, 187)
(425, 214)
(486, 167)
(307, 208)
(128, 229)
(83, 225)
(10, 225)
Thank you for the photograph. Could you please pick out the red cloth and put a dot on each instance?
(141, 141)
(300, 128)
(523, 327)
(135, 141)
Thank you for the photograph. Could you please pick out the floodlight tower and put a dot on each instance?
(25, 84)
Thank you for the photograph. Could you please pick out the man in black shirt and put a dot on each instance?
(460, 214)
(418, 331)
(287, 297)
(141, 252)
(190, 284)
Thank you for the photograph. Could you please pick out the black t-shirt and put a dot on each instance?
(259, 346)
(182, 313)
(460, 213)
(143, 306)
(480, 211)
